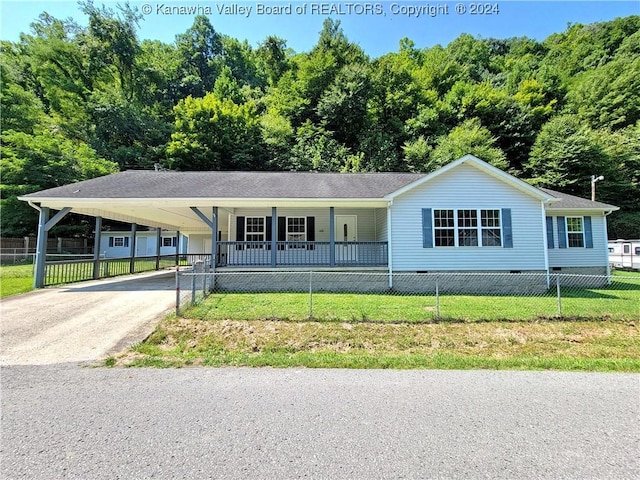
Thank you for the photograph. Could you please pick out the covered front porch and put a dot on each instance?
(295, 237)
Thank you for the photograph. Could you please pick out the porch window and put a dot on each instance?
(255, 231)
(296, 231)
(575, 232)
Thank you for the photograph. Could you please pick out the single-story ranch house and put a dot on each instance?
(465, 217)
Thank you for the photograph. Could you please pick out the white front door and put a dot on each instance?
(627, 255)
(141, 246)
(346, 230)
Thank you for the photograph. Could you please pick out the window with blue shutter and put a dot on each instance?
(588, 233)
(427, 224)
(550, 242)
(562, 233)
(507, 231)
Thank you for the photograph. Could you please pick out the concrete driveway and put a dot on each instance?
(83, 322)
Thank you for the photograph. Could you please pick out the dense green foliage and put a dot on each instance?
(79, 102)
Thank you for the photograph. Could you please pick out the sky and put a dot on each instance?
(376, 26)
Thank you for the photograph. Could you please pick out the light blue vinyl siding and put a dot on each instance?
(597, 256)
(466, 187)
(381, 224)
(366, 220)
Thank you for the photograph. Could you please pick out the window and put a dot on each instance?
(575, 232)
(254, 231)
(444, 228)
(460, 228)
(637, 250)
(611, 250)
(626, 249)
(119, 242)
(168, 241)
(296, 231)
(491, 236)
(467, 228)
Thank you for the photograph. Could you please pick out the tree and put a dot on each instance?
(200, 48)
(468, 138)
(272, 55)
(36, 162)
(215, 134)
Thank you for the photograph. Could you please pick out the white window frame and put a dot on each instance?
(172, 242)
(580, 232)
(247, 233)
(304, 223)
(479, 227)
(117, 240)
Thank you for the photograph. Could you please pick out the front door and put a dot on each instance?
(346, 234)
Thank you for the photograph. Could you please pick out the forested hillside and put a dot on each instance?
(82, 102)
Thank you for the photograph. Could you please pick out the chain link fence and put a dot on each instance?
(428, 297)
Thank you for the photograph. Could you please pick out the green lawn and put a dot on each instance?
(599, 333)
(15, 279)
(620, 301)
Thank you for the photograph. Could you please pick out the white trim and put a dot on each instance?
(606, 243)
(286, 236)
(246, 233)
(480, 165)
(566, 230)
(479, 228)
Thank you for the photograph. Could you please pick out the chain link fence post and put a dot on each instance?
(310, 295)
(177, 291)
(559, 296)
(437, 300)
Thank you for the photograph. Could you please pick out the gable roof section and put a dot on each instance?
(139, 184)
(485, 167)
(571, 202)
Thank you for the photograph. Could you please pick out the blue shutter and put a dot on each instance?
(111, 241)
(562, 233)
(588, 233)
(550, 241)
(507, 231)
(126, 241)
(427, 232)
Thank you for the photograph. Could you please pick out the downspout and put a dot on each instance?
(389, 244)
(545, 243)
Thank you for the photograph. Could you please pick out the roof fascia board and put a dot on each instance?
(54, 202)
(581, 209)
(480, 165)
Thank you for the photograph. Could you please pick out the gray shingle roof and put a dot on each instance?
(150, 184)
(571, 201)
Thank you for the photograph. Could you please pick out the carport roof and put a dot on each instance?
(140, 184)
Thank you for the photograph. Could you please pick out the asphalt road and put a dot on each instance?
(82, 322)
(65, 421)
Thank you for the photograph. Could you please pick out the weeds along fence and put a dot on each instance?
(349, 296)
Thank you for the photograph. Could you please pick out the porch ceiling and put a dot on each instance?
(176, 214)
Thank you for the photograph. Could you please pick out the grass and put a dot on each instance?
(620, 301)
(379, 331)
(15, 279)
(558, 345)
